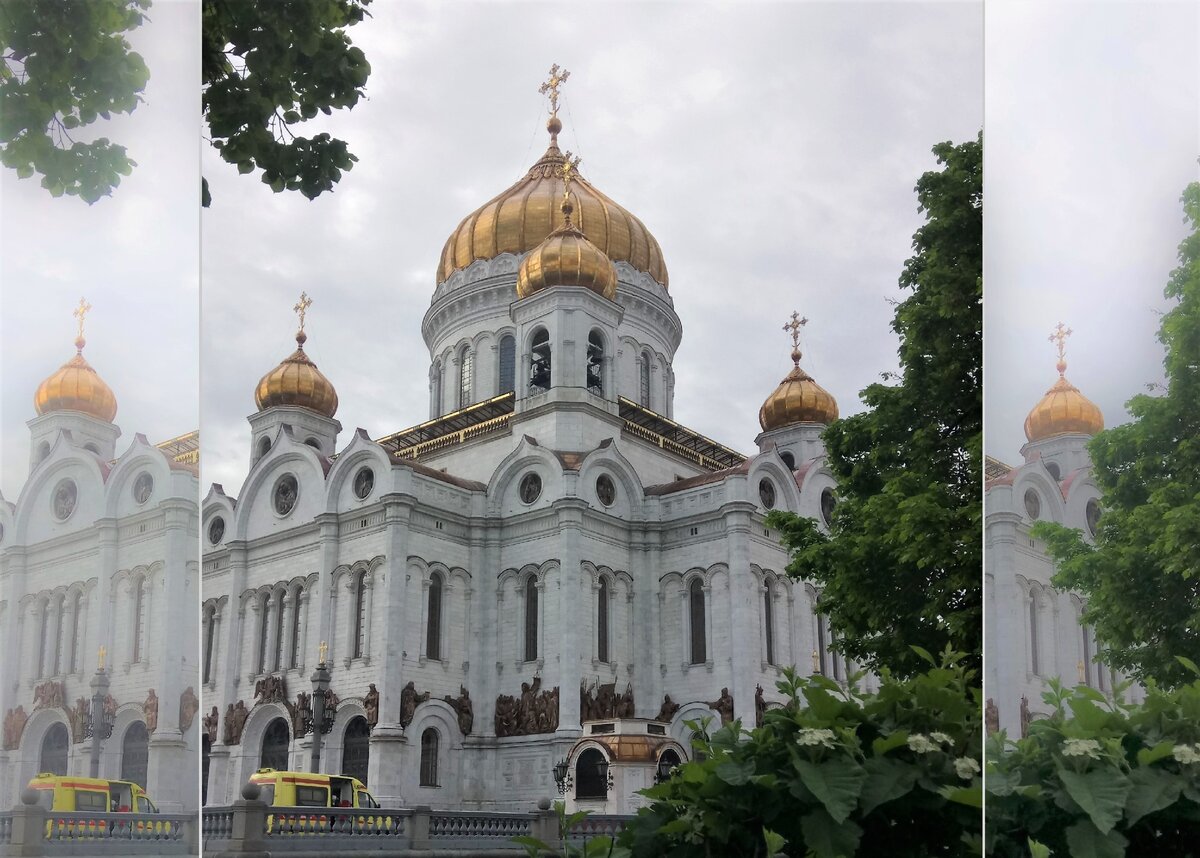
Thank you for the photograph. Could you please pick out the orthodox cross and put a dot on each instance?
(794, 327)
(80, 312)
(570, 168)
(551, 86)
(302, 307)
(1060, 337)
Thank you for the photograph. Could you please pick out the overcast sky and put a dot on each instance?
(772, 149)
(134, 256)
(1093, 129)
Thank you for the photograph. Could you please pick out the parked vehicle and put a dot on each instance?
(70, 793)
(309, 789)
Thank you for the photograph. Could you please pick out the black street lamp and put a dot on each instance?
(665, 767)
(98, 725)
(320, 682)
(562, 776)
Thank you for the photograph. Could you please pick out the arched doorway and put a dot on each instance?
(276, 741)
(356, 748)
(591, 771)
(55, 745)
(205, 753)
(135, 754)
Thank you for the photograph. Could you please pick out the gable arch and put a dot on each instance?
(360, 452)
(33, 521)
(286, 454)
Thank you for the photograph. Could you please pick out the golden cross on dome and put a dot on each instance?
(794, 326)
(1060, 336)
(551, 86)
(302, 307)
(570, 168)
(80, 312)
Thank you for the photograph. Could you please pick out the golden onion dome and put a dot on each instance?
(1063, 410)
(566, 258)
(798, 399)
(297, 382)
(75, 386)
(524, 215)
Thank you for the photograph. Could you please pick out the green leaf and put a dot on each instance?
(1188, 663)
(1085, 841)
(971, 796)
(827, 838)
(774, 842)
(887, 780)
(896, 739)
(1038, 850)
(1149, 756)
(735, 774)
(1100, 793)
(836, 783)
(1153, 789)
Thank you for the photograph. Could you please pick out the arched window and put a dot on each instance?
(1034, 662)
(595, 363)
(210, 634)
(79, 630)
(644, 380)
(276, 740)
(789, 460)
(433, 626)
(429, 758)
(55, 744)
(356, 748)
(1087, 654)
(531, 619)
(360, 614)
(591, 775)
(279, 611)
(508, 364)
(696, 607)
(769, 624)
(135, 754)
(823, 644)
(60, 606)
(205, 759)
(139, 619)
(437, 389)
(264, 609)
(539, 362)
(602, 621)
(466, 365)
(297, 606)
(264, 446)
(670, 758)
(42, 638)
(43, 450)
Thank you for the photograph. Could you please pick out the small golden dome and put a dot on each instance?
(567, 258)
(524, 215)
(1063, 411)
(298, 382)
(75, 386)
(798, 399)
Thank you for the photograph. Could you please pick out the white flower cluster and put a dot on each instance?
(814, 737)
(966, 767)
(1186, 754)
(923, 744)
(1081, 748)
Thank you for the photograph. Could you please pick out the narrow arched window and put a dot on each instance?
(531, 619)
(789, 460)
(360, 614)
(276, 744)
(433, 625)
(264, 608)
(429, 758)
(210, 634)
(135, 754)
(696, 606)
(602, 621)
(508, 364)
(595, 363)
(437, 389)
(297, 606)
(279, 612)
(1034, 664)
(466, 362)
(139, 619)
(539, 362)
(1087, 654)
(769, 624)
(823, 644)
(644, 380)
(42, 636)
(79, 630)
(58, 634)
(55, 745)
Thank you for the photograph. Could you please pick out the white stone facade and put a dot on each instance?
(119, 570)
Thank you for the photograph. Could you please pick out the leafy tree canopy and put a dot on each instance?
(267, 67)
(66, 64)
(1141, 577)
(901, 566)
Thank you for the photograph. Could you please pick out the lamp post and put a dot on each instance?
(98, 727)
(562, 776)
(320, 684)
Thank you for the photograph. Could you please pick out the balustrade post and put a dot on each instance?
(419, 828)
(545, 824)
(28, 827)
(249, 824)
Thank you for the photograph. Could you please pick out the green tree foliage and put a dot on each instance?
(835, 772)
(901, 564)
(269, 66)
(1142, 575)
(66, 64)
(1099, 778)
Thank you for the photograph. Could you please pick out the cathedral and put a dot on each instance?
(99, 578)
(534, 591)
(1033, 631)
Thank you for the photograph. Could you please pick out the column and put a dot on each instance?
(274, 607)
(742, 614)
(327, 527)
(568, 672)
(106, 622)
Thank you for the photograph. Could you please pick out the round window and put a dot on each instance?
(364, 482)
(143, 487)
(828, 502)
(1092, 513)
(65, 496)
(531, 487)
(216, 530)
(1033, 504)
(287, 490)
(605, 489)
(766, 493)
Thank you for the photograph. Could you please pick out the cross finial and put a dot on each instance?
(794, 327)
(1060, 337)
(302, 307)
(557, 78)
(79, 313)
(323, 651)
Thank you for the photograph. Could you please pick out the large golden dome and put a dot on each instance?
(1063, 411)
(520, 218)
(567, 258)
(298, 382)
(75, 386)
